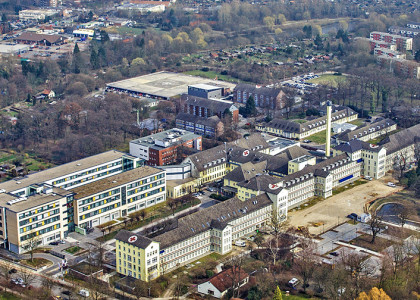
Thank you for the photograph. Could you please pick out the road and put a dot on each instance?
(335, 209)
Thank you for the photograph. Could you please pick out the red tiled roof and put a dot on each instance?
(223, 280)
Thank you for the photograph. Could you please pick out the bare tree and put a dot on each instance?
(235, 263)
(358, 270)
(32, 244)
(375, 224)
(305, 262)
(97, 253)
(5, 269)
(140, 289)
(400, 164)
(278, 225)
(27, 276)
(403, 214)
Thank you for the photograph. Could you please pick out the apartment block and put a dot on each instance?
(162, 148)
(41, 217)
(388, 52)
(403, 43)
(41, 204)
(382, 45)
(264, 97)
(118, 196)
(401, 67)
(405, 31)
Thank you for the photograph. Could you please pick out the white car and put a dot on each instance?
(391, 184)
(84, 293)
(240, 243)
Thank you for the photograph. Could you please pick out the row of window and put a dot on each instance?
(145, 187)
(84, 173)
(40, 232)
(100, 203)
(101, 196)
(38, 210)
(33, 226)
(99, 211)
(39, 217)
(144, 181)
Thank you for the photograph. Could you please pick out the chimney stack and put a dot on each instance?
(328, 130)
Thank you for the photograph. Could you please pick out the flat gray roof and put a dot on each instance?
(32, 201)
(61, 170)
(164, 84)
(113, 181)
(173, 136)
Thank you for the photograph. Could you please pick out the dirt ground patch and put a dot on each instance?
(364, 241)
(398, 232)
(334, 210)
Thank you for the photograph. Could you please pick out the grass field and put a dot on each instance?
(31, 162)
(212, 75)
(37, 262)
(8, 296)
(328, 79)
(73, 250)
(357, 122)
(318, 137)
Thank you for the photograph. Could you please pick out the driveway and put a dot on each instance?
(334, 210)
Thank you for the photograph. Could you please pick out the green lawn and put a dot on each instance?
(212, 75)
(318, 137)
(36, 263)
(357, 122)
(328, 79)
(73, 250)
(8, 296)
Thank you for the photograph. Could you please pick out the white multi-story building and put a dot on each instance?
(41, 205)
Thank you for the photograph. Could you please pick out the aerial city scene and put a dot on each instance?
(210, 149)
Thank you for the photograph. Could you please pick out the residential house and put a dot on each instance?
(218, 285)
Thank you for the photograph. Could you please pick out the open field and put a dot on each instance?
(328, 79)
(318, 137)
(30, 161)
(335, 209)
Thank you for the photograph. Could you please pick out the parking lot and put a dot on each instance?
(53, 52)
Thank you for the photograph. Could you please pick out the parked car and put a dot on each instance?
(84, 293)
(334, 253)
(368, 178)
(293, 282)
(62, 241)
(352, 216)
(55, 243)
(391, 184)
(12, 271)
(240, 243)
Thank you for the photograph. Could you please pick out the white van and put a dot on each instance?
(240, 243)
(391, 184)
(293, 282)
(84, 293)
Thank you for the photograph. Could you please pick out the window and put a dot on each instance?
(210, 292)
